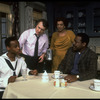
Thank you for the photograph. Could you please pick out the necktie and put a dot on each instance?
(36, 47)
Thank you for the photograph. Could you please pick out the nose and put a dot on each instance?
(58, 26)
(39, 30)
(18, 47)
(74, 43)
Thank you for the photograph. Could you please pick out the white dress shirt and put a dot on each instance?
(27, 42)
(6, 71)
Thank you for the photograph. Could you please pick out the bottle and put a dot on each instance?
(63, 83)
(45, 77)
(57, 82)
(49, 54)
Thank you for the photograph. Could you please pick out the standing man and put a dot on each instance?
(80, 62)
(34, 55)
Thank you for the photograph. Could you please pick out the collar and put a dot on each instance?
(5, 56)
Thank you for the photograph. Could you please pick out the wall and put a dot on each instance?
(26, 16)
(96, 42)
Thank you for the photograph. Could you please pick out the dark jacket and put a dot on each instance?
(87, 64)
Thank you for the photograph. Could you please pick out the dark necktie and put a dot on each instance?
(36, 47)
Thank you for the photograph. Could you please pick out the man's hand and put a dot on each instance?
(33, 72)
(41, 58)
(12, 79)
(70, 78)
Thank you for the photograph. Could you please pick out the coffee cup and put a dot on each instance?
(57, 73)
(97, 84)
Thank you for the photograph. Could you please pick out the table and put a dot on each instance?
(35, 88)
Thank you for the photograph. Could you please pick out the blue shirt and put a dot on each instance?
(75, 67)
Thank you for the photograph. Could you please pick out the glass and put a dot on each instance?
(24, 74)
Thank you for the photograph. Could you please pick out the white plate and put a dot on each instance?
(61, 77)
(92, 88)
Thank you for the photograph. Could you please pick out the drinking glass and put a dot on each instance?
(24, 74)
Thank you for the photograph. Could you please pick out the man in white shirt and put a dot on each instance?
(27, 42)
(8, 74)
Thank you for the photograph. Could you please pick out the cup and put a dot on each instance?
(97, 84)
(57, 73)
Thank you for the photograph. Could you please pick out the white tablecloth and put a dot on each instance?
(35, 88)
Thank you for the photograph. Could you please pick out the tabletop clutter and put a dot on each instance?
(58, 81)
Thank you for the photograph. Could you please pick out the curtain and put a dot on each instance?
(15, 27)
(28, 17)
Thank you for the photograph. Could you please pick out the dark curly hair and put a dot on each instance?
(9, 39)
(63, 19)
(84, 37)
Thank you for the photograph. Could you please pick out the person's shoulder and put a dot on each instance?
(55, 34)
(3, 56)
(70, 49)
(91, 52)
(29, 30)
(70, 31)
(21, 58)
(44, 35)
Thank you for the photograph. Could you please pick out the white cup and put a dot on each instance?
(97, 84)
(57, 73)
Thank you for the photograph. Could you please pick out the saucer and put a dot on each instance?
(61, 77)
(92, 88)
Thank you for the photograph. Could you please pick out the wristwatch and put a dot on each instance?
(77, 76)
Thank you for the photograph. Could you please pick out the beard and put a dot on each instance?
(76, 49)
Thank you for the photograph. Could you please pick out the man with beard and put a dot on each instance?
(80, 62)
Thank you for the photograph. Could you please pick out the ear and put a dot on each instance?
(8, 48)
(84, 44)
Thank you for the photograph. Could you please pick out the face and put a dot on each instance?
(40, 28)
(60, 26)
(78, 45)
(14, 47)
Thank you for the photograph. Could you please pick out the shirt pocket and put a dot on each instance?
(30, 43)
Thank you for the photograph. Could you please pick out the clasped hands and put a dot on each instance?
(33, 72)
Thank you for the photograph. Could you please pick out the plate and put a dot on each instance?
(92, 88)
(61, 77)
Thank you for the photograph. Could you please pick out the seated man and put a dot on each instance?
(80, 62)
(8, 74)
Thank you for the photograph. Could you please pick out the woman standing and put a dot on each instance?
(61, 40)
